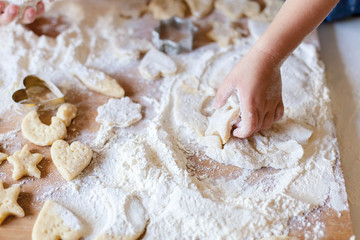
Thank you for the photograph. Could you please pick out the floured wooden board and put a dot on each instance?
(322, 221)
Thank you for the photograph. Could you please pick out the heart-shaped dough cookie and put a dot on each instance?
(70, 160)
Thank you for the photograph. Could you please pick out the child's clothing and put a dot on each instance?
(344, 9)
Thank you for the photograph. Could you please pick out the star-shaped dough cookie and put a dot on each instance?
(8, 202)
(24, 163)
(3, 156)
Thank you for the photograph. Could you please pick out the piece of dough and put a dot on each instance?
(67, 112)
(127, 219)
(119, 112)
(200, 8)
(70, 160)
(3, 156)
(272, 7)
(156, 63)
(221, 122)
(165, 9)
(56, 222)
(41, 134)
(24, 163)
(99, 82)
(133, 8)
(129, 47)
(226, 33)
(237, 9)
(8, 202)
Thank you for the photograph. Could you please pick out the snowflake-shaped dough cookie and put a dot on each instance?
(8, 202)
(24, 163)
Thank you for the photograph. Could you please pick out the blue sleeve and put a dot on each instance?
(344, 9)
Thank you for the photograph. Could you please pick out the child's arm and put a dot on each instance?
(257, 76)
(9, 13)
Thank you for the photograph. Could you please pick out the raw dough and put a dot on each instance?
(133, 8)
(226, 33)
(119, 112)
(56, 222)
(221, 122)
(200, 8)
(133, 48)
(272, 7)
(165, 9)
(99, 82)
(67, 112)
(127, 220)
(237, 9)
(24, 163)
(3, 156)
(70, 160)
(8, 202)
(41, 134)
(156, 63)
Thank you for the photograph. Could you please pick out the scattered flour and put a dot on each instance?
(148, 166)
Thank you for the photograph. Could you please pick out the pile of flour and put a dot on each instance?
(150, 161)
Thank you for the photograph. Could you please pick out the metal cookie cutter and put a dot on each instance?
(174, 35)
(38, 94)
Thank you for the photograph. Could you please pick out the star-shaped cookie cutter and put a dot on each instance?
(28, 99)
(162, 35)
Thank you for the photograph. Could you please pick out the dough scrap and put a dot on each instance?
(99, 82)
(133, 8)
(133, 48)
(237, 9)
(56, 222)
(41, 134)
(127, 220)
(272, 7)
(24, 163)
(226, 33)
(3, 156)
(119, 112)
(221, 122)
(200, 8)
(8, 202)
(67, 112)
(156, 63)
(163, 10)
(70, 160)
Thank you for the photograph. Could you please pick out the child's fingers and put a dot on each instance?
(268, 120)
(9, 15)
(29, 15)
(2, 7)
(249, 121)
(40, 8)
(279, 112)
(222, 95)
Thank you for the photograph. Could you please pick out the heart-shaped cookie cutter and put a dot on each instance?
(25, 98)
(168, 45)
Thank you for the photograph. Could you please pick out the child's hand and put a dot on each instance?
(257, 80)
(9, 13)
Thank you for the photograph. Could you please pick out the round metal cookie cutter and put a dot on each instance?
(166, 44)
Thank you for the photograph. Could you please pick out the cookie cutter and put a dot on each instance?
(185, 28)
(30, 99)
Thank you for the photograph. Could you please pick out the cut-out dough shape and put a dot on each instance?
(56, 222)
(237, 9)
(3, 156)
(119, 112)
(99, 82)
(8, 202)
(163, 10)
(24, 163)
(127, 220)
(156, 63)
(221, 122)
(225, 33)
(70, 160)
(200, 8)
(67, 112)
(41, 134)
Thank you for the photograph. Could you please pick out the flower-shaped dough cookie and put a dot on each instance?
(70, 160)
(24, 163)
(56, 222)
(8, 202)
(41, 134)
